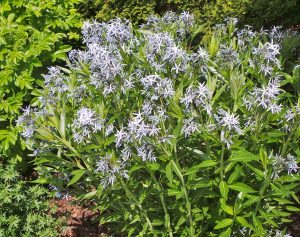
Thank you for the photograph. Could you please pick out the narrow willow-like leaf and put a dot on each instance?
(77, 174)
(241, 187)
(223, 223)
(223, 187)
(202, 165)
(243, 156)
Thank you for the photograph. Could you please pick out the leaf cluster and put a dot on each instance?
(222, 165)
(33, 35)
(24, 208)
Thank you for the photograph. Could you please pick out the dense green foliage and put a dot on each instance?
(24, 208)
(171, 137)
(208, 12)
(33, 35)
(253, 12)
(273, 12)
(139, 11)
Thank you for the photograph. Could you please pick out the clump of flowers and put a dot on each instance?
(192, 140)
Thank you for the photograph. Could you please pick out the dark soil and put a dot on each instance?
(294, 227)
(81, 221)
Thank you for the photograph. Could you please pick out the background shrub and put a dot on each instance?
(273, 12)
(257, 13)
(33, 35)
(208, 12)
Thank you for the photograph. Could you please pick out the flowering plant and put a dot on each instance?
(170, 137)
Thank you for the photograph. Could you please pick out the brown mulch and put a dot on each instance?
(80, 220)
(294, 227)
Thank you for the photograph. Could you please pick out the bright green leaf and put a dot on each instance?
(223, 187)
(223, 223)
(241, 187)
(77, 174)
(243, 156)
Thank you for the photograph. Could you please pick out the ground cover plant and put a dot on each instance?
(171, 137)
(24, 208)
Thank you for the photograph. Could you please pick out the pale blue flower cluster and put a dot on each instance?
(281, 164)
(167, 79)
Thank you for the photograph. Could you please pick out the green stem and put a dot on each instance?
(285, 145)
(162, 200)
(188, 204)
(208, 150)
(261, 195)
(134, 199)
(222, 163)
(258, 116)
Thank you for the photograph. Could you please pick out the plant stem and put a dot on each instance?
(261, 195)
(222, 162)
(162, 199)
(285, 145)
(134, 199)
(188, 204)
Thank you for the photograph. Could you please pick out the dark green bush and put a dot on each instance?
(273, 12)
(24, 208)
(33, 35)
(253, 12)
(209, 12)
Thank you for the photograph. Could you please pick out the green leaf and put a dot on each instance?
(169, 173)
(258, 172)
(40, 181)
(173, 192)
(276, 133)
(223, 223)
(226, 208)
(224, 189)
(204, 164)
(200, 183)
(292, 208)
(157, 222)
(153, 166)
(243, 156)
(90, 194)
(176, 169)
(244, 222)
(235, 174)
(10, 17)
(61, 53)
(213, 46)
(77, 174)
(134, 168)
(241, 187)
(181, 221)
(226, 233)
